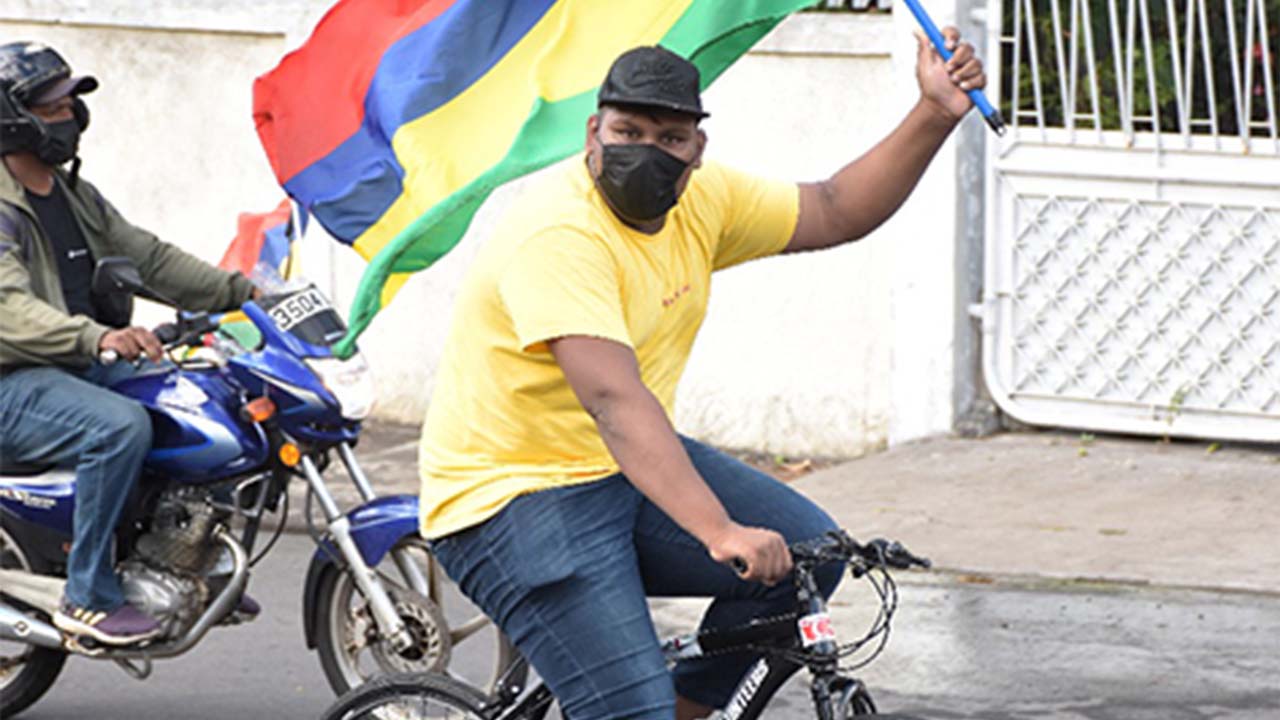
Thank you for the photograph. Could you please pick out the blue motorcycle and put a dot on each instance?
(234, 424)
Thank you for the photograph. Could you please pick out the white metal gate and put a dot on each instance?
(1132, 278)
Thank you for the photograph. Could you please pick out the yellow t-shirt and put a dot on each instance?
(503, 420)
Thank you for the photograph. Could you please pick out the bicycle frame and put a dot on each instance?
(779, 639)
(801, 637)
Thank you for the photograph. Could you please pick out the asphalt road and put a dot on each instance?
(958, 650)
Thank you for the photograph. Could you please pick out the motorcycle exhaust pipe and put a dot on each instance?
(26, 629)
(42, 592)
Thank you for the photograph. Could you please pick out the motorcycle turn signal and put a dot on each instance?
(258, 410)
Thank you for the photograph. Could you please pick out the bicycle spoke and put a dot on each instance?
(419, 708)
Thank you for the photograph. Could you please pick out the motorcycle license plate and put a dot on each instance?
(298, 308)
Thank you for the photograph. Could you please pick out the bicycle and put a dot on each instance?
(800, 638)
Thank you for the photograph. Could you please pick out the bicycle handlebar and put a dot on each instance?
(838, 545)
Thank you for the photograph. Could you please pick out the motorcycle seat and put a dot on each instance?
(16, 469)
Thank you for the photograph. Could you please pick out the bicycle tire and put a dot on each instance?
(857, 704)
(408, 697)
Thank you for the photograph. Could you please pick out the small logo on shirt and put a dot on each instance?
(673, 297)
(76, 254)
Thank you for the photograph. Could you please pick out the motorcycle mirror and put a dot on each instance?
(117, 276)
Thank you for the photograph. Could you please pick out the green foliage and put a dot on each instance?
(1161, 51)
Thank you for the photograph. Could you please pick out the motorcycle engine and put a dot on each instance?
(181, 536)
(165, 575)
(174, 601)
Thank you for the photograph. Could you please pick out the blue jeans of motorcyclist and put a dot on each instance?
(68, 417)
(565, 572)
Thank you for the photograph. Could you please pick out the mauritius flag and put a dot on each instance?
(264, 238)
(397, 118)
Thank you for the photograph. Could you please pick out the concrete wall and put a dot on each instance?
(171, 141)
(831, 353)
(795, 353)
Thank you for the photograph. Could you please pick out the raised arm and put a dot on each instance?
(606, 379)
(866, 192)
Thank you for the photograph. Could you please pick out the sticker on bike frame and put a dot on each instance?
(747, 690)
(31, 500)
(815, 629)
(298, 307)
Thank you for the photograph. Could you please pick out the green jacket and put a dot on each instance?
(35, 328)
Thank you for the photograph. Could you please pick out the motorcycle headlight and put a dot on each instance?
(350, 382)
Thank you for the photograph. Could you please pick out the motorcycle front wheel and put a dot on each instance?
(451, 636)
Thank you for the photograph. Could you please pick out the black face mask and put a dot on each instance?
(639, 180)
(60, 143)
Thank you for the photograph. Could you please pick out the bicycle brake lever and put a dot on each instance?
(900, 557)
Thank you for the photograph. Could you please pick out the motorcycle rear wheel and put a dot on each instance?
(352, 652)
(26, 672)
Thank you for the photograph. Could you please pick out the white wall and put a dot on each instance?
(171, 141)
(830, 354)
(925, 270)
(795, 352)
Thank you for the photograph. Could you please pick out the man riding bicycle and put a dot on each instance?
(555, 489)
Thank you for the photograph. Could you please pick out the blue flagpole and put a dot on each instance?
(989, 113)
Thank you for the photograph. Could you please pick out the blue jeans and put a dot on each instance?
(57, 415)
(565, 572)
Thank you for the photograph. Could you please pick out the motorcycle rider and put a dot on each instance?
(54, 397)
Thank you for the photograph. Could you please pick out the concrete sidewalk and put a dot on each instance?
(1062, 506)
(1020, 506)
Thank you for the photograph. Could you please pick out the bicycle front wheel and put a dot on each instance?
(409, 697)
(849, 699)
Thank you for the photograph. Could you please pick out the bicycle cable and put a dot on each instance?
(887, 590)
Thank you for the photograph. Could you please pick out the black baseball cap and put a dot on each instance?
(653, 76)
(36, 74)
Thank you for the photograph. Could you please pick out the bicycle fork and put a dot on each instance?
(767, 675)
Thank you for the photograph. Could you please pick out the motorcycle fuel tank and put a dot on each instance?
(198, 435)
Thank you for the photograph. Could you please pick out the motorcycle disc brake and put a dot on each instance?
(431, 648)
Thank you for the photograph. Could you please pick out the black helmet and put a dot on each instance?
(32, 74)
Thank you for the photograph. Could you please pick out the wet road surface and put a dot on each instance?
(1076, 652)
(959, 650)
